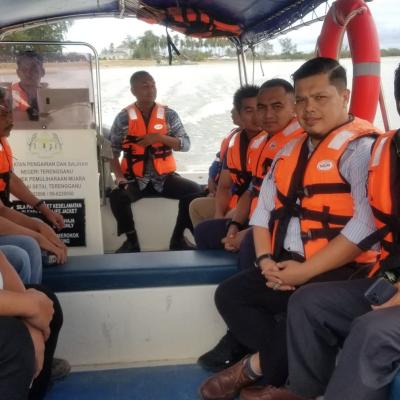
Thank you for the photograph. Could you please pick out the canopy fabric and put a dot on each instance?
(256, 18)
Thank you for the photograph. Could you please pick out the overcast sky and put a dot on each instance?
(100, 32)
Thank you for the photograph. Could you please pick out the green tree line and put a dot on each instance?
(48, 32)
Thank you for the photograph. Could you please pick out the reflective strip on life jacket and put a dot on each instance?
(224, 149)
(238, 164)
(136, 156)
(316, 193)
(260, 165)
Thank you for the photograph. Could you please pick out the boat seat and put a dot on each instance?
(141, 270)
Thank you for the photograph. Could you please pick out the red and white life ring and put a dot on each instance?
(355, 17)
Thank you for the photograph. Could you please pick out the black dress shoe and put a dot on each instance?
(226, 353)
(129, 247)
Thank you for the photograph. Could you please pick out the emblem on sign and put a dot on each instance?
(44, 144)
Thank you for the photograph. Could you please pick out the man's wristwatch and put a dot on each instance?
(262, 257)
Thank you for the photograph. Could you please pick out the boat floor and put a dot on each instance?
(171, 382)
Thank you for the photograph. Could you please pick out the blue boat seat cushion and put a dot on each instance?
(139, 270)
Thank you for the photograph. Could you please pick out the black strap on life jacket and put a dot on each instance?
(242, 175)
(160, 151)
(290, 208)
(324, 188)
(150, 152)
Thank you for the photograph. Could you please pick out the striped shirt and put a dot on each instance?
(119, 130)
(354, 168)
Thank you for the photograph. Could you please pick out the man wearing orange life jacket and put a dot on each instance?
(275, 114)
(30, 71)
(147, 133)
(275, 104)
(197, 207)
(235, 176)
(300, 234)
(336, 315)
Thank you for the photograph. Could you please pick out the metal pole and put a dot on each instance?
(243, 56)
(382, 105)
(239, 66)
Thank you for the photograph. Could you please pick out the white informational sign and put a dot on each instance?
(60, 167)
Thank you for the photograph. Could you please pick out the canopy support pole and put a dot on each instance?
(382, 106)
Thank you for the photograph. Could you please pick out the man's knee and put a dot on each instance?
(118, 197)
(58, 317)
(227, 294)
(306, 299)
(373, 328)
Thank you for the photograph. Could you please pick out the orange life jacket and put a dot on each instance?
(313, 189)
(190, 21)
(135, 156)
(6, 166)
(224, 149)
(383, 192)
(237, 161)
(261, 165)
(19, 97)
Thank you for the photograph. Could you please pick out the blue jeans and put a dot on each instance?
(24, 253)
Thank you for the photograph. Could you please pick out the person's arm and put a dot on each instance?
(239, 217)
(177, 137)
(242, 210)
(213, 172)
(223, 194)
(8, 227)
(18, 218)
(118, 131)
(167, 140)
(34, 307)
(19, 190)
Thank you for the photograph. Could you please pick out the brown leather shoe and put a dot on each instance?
(268, 393)
(226, 384)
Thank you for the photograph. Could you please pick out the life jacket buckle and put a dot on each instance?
(306, 236)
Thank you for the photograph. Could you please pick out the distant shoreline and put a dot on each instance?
(147, 63)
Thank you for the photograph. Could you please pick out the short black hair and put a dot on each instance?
(397, 84)
(244, 92)
(277, 82)
(323, 65)
(5, 96)
(138, 74)
(29, 54)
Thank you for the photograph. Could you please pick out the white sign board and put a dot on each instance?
(61, 165)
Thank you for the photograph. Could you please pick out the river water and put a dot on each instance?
(202, 96)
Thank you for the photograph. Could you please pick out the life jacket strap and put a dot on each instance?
(323, 188)
(320, 233)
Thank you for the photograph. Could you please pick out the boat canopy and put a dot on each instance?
(254, 20)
